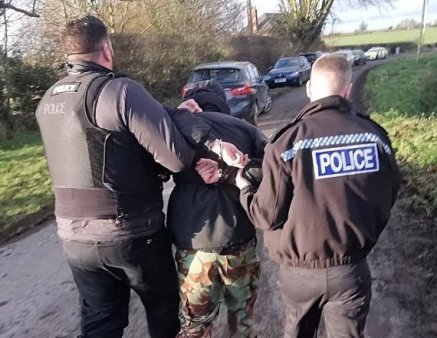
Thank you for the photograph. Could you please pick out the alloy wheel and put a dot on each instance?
(269, 104)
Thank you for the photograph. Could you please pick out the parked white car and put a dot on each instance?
(347, 54)
(376, 53)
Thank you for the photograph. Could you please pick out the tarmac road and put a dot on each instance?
(287, 106)
(38, 297)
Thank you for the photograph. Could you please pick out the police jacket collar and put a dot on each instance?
(78, 67)
(335, 102)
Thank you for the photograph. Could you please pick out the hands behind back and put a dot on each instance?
(190, 105)
(230, 154)
(208, 170)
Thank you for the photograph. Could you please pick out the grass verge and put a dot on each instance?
(381, 37)
(401, 97)
(24, 180)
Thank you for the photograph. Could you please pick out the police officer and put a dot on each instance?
(106, 141)
(329, 181)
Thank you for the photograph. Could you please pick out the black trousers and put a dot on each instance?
(341, 293)
(104, 274)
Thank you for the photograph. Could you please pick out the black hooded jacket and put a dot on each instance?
(210, 96)
(210, 217)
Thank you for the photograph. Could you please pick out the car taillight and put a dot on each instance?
(246, 89)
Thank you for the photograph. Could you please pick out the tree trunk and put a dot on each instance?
(302, 21)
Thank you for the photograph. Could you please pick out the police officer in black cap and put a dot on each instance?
(106, 141)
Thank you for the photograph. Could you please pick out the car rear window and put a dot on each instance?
(283, 63)
(343, 54)
(310, 57)
(222, 75)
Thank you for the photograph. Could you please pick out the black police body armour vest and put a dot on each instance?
(95, 173)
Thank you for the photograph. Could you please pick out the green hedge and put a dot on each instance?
(24, 179)
(401, 96)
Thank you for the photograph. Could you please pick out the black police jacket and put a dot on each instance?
(329, 181)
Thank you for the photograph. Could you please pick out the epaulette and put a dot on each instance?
(282, 130)
(292, 123)
(368, 118)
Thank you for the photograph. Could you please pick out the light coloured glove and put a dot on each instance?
(240, 181)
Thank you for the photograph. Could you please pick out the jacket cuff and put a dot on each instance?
(228, 173)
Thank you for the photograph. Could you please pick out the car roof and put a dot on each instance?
(223, 64)
(289, 58)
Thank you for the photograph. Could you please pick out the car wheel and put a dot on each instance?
(300, 81)
(269, 104)
(254, 118)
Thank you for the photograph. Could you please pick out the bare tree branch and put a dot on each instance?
(19, 10)
(302, 21)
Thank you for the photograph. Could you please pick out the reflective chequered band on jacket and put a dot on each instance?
(334, 140)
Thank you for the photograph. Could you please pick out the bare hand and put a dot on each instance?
(208, 170)
(230, 154)
(191, 105)
(240, 181)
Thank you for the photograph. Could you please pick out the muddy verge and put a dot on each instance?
(404, 264)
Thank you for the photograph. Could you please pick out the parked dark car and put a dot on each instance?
(288, 71)
(359, 57)
(246, 91)
(312, 57)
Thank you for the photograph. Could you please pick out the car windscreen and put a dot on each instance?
(285, 63)
(310, 57)
(357, 52)
(222, 75)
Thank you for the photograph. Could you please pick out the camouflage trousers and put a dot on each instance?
(206, 279)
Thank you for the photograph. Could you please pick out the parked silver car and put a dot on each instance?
(347, 54)
(376, 53)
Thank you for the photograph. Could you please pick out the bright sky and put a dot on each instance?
(376, 17)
